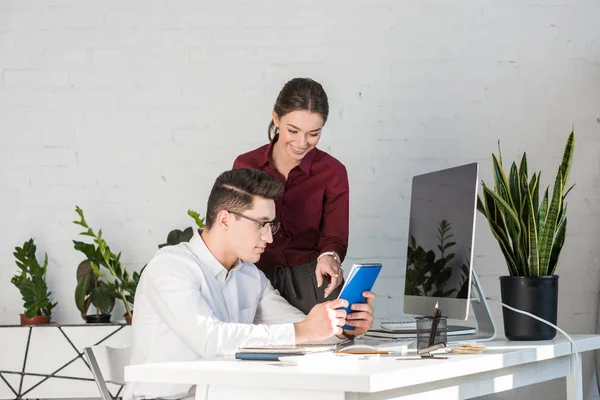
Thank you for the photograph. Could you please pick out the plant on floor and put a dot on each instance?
(530, 232)
(31, 281)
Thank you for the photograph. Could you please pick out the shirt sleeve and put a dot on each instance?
(274, 309)
(176, 299)
(334, 231)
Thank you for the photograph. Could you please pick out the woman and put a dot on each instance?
(303, 262)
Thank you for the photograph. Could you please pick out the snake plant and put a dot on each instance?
(530, 232)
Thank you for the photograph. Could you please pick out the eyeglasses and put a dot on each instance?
(275, 224)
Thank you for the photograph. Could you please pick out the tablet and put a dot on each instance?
(362, 277)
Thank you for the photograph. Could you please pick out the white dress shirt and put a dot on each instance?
(188, 307)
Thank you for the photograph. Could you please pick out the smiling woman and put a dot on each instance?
(303, 262)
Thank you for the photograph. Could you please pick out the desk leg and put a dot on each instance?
(575, 381)
(231, 392)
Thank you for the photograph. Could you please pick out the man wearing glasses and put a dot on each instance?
(207, 298)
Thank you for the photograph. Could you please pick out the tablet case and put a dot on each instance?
(362, 277)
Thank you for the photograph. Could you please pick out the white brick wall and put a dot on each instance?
(131, 110)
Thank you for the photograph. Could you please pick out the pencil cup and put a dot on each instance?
(431, 331)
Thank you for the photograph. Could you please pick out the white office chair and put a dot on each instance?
(108, 366)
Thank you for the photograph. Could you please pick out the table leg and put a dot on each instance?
(574, 380)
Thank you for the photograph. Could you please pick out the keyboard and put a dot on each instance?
(401, 324)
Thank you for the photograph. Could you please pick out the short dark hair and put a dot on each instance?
(234, 190)
(300, 94)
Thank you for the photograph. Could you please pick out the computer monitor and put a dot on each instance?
(440, 242)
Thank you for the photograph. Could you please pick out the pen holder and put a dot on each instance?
(431, 331)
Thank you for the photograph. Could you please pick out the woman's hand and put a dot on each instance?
(327, 265)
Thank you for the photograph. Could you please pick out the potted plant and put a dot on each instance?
(99, 255)
(531, 234)
(92, 290)
(31, 282)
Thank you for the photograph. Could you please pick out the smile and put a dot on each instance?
(297, 150)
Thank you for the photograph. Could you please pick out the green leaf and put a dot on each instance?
(88, 249)
(501, 183)
(502, 204)
(187, 234)
(173, 237)
(196, 217)
(534, 189)
(81, 292)
(543, 212)
(523, 166)
(515, 186)
(103, 300)
(547, 235)
(533, 261)
(568, 190)
(559, 241)
(565, 166)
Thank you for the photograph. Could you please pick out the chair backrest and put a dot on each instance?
(108, 366)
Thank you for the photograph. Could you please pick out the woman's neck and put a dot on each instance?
(281, 161)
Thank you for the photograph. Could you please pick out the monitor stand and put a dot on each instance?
(486, 329)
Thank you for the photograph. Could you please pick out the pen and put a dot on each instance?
(434, 323)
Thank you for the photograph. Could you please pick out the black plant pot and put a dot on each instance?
(98, 319)
(535, 294)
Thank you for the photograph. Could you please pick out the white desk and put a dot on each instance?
(504, 365)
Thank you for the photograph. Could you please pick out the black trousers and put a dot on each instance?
(298, 285)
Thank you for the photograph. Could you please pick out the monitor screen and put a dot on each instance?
(440, 241)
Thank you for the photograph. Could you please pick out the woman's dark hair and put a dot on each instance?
(300, 94)
(234, 190)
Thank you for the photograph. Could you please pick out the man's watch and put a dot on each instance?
(332, 254)
(347, 335)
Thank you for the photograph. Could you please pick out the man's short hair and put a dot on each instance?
(234, 190)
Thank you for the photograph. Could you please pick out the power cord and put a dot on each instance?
(574, 367)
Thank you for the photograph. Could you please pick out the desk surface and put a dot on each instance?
(367, 377)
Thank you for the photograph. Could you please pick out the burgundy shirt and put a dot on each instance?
(313, 210)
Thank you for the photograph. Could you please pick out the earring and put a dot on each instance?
(276, 130)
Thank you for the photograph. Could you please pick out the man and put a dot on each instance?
(206, 298)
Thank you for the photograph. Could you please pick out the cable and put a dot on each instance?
(574, 368)
(597, 353)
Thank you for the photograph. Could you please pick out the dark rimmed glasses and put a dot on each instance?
(274, 225)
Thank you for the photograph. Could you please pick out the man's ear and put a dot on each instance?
(223, 219)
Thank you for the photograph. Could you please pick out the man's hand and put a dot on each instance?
(362, 315)
(327, 265)
(322, 322)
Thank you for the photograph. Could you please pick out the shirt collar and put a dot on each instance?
(213, 265)
(304, 165)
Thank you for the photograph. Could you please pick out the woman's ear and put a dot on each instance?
(275, 119)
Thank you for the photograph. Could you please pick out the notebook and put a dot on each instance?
(343, 347)
(273, 352)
